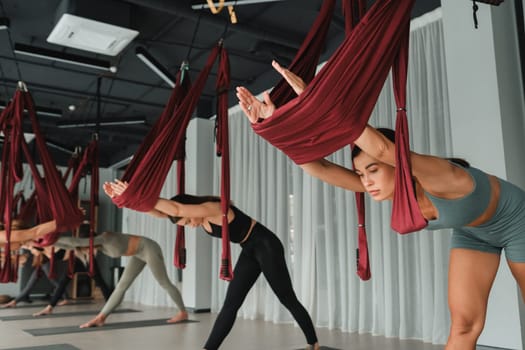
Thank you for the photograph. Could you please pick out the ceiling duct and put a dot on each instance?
(100, 26)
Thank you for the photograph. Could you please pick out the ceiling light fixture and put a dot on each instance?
(58, 56)
(28, 137)
(491, 2)
(121, 163)
(59, 147)
(155, 66)
(105, 122)
(4, 23)
(46, 111)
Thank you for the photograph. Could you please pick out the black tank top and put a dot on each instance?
(239, 226)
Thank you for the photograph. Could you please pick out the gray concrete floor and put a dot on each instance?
(246, 334)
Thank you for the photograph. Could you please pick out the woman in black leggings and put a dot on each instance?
(43, 269)
(261, 251)
(64, 282)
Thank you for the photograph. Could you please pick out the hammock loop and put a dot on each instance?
(21, 86)
(184, 68)
(78, 152)
(401, 109)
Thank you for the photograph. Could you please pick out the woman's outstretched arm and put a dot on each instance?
(30, 233)
(173, 208)
(334, 174)
(117, 187)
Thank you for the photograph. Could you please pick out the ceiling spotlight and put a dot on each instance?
(58, 56)
(72, 108)
(155, 66)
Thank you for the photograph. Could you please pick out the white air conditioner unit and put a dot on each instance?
(90, 35)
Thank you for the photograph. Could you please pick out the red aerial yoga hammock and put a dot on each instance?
(52, 191)
(335, 107)
(168, 119)
(79, 169)
(89, 161)
(147, 173)
(223, 150)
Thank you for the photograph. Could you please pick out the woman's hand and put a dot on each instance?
(252, 107)
(256, 109)
(115, 188)
(108, 189)
(296, 83)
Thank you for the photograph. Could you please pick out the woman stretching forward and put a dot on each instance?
(143, 251)
(261, 251)
(487, 214)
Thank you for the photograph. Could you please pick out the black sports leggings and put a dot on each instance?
(262, 252)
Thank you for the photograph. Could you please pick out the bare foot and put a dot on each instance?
(12, 303)
(96, 322)
(48, 310)
(181, 316)
(63, 302)
(313, 347)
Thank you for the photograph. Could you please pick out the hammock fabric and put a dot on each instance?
(335, 107)
(147, 173)
(89, 160)
(180, 239)
(223, 85)
(60, 206)
(28, 210)
(305, 61)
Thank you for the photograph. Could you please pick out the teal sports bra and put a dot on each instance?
(454, 213)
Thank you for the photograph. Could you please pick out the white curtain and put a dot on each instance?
(406, 297)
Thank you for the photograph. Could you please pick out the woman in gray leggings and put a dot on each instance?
(143, 251)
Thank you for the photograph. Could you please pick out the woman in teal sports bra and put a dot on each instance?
(487, 214)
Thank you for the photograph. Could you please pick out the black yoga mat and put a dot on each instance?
(60, 314)
(108, 326)
(46, 347)
(324, 348)
(24, 305)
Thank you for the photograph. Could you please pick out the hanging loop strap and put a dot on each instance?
(194, 35)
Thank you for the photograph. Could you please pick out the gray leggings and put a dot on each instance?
(149, 253)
